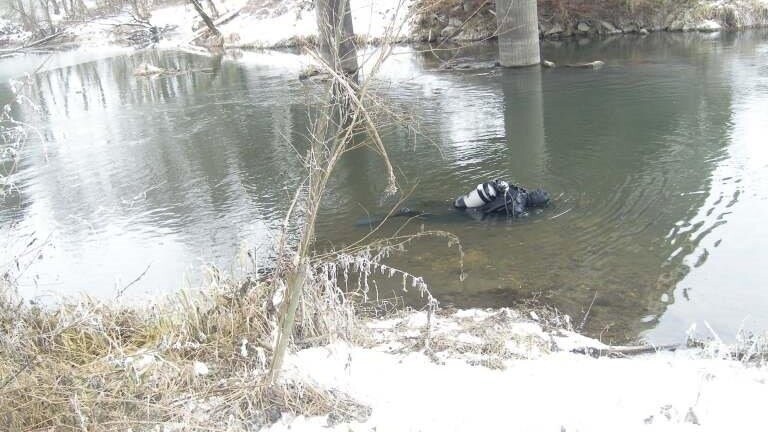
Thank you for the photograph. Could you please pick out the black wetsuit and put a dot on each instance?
(514, 202)
(510, 201)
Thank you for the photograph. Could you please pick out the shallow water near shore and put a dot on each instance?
(657, 163)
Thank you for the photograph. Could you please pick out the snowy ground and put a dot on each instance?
(259, 28)
(11, 33)
(535, 383)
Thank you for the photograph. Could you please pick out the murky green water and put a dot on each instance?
(658, 163)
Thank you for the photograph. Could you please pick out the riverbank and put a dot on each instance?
(199, 361)
(257, 24)
(476, 20)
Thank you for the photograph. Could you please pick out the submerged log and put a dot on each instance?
(597, 64)
(468, 65)
(624, 351)
(146, 69)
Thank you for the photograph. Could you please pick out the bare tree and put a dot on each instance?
(330, 135)
(218, 39)
(64, 6)
(43, 4)
(336, 34)
(212, 7)
(82, 9)
(28, 18)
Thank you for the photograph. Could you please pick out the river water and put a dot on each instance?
(658, 163)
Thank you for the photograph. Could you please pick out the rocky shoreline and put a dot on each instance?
(463, 21)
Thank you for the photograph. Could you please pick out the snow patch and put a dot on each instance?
(562, 391)
(200, 368)
(708, 26)
(498, 370)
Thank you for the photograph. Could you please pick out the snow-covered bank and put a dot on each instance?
(264, 27)
(495, 370)
(258, 24)
(269, 24)
(11, 33)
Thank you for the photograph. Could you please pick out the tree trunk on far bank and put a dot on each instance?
(212, 7)
(66, 8)
(336, 34)
(518, 31)
(218, 39)
(44, 8)
(81, 7)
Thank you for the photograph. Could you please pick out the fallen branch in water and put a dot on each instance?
(35, 44)
(123, 289)
(221, 20)
(597, 64)
(624, 351)
(149, 70)
(586, 314)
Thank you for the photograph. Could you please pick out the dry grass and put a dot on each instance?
(197, 359)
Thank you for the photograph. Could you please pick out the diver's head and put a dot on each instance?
(538, 198)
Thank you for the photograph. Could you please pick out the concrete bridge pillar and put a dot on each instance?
(518, 30)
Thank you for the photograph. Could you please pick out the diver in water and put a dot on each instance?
(493, 198)
(498, 197)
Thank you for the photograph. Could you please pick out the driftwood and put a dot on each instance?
(597, 64)
(548, 64)
(467, 65)
(31, 45)
(149, 70)
(146, 69)
(624, 351)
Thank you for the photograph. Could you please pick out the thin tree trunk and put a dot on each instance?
(329, 137)
(83, 8)
(518, 31)
(212, 7)
(293, 292)
(64, 6)
(208, 22)
(47, 16)
(32, 15)
(26, 21)
(336, 34)
(56, 9)
(136, 9)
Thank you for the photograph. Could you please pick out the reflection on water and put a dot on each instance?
(654, 162)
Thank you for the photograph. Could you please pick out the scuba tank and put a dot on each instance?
(481, 195)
